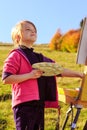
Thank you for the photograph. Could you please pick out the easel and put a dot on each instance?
(77, 98)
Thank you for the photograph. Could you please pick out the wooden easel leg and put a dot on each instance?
(85, 126)
(73, 126)
(68, 114)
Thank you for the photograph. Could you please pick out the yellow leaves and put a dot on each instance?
(67, 42)
(55, 40)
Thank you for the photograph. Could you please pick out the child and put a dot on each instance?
(30, 90)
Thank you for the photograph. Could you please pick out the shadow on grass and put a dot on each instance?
(5, 97)
(3, 124)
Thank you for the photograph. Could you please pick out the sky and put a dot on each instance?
(47, 15)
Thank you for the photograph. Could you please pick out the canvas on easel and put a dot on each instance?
(82, 48)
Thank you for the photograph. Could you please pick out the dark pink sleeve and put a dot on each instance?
(12, 63)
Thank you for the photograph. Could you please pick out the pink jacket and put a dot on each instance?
(17, 63)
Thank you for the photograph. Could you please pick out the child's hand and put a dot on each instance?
(36, 73)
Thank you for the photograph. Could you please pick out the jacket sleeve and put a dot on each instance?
(12, 63)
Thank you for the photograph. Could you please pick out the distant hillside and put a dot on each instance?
(63, 42)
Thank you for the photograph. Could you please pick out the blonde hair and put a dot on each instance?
(16, 31)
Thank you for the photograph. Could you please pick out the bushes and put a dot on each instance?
(67, 42)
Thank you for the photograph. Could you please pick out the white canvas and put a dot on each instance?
(82, 48)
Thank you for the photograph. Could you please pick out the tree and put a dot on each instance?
(70, 41)
(55, 40)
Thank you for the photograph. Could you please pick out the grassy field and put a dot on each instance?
(67, 60)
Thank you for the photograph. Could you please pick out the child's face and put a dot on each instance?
(28, 33)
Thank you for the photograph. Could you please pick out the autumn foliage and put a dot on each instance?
(67, 42)
(55, 40)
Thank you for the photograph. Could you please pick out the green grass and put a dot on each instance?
(67, 60)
